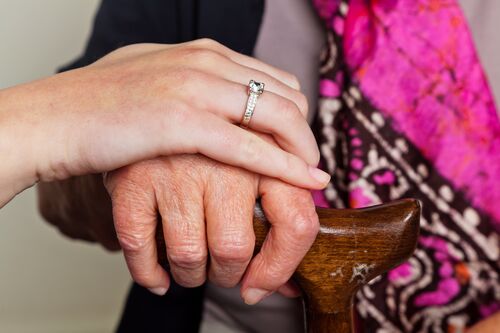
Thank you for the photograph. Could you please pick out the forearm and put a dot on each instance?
(34, 135)
(39, 127)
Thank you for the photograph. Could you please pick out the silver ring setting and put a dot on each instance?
(255, 89)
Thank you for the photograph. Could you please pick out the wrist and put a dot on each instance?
(18, 167)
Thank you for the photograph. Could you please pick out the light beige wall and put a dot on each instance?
(47, 282)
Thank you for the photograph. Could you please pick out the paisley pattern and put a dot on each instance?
(406, 111)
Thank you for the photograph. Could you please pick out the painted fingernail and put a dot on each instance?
(319, 175)
(160, 291)
(255, 295)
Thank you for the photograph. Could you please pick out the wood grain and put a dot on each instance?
(353, 247)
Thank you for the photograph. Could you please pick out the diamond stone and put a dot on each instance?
(256, 87)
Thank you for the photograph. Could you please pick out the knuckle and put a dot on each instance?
(130, 49)
(207, 42)
(187, 257)
(205, 56)
(234, 252)
(305, 224)
(132, 242)
(190, 82)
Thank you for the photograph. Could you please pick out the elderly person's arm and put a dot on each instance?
(206, 211)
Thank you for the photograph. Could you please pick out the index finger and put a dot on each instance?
(294, 226)
(135, 219)
(229, 144)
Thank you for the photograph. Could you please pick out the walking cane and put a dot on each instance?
(353, 247)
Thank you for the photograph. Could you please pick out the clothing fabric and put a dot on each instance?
(178, 311)
(482, 17)
(123, 22)
(405, 111)
(291, 37)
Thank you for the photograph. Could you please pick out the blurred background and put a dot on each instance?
(49, 283)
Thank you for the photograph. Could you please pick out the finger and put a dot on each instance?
(135, 219)
(295, 224)
(215, 138)
(229, 204)
(181, 208)
(187, 130)
(273, 113)
(205, 43)
(220, 65)
(287, 78)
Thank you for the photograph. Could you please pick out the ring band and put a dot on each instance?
(255, 89)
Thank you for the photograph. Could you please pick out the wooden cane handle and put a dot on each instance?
(353, 247)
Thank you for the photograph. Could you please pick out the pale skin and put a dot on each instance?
(139, 102)
(146, 101)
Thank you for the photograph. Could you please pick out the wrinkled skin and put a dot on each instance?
(188, 190)
(206, 209)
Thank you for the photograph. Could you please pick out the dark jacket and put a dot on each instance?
(234, 23)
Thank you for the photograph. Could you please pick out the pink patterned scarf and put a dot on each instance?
(405, 111)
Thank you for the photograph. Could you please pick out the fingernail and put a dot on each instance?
(319, 175)
(255, 295)
(160, 291)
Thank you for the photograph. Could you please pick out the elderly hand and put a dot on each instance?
(150, 100)
(206, 210)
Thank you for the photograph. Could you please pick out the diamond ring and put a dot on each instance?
(255, 89)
